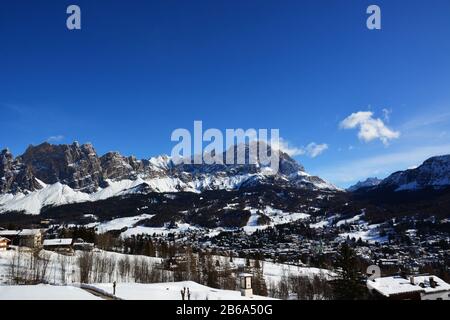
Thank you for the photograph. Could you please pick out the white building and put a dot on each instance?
(60, 245)
(4, 244)
(413, 288)
(31, 238)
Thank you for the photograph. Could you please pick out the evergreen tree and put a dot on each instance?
(247, 263)
(349, 285)
(259, 283)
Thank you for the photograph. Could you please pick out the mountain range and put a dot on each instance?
(52, 175)
(72, 182)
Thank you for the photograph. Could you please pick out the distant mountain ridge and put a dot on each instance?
(369, 182)
(421, 192)
(433, 173)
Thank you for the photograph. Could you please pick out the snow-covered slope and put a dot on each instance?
(127, 288)
(33, 202)
(276, 217)
(45, 292)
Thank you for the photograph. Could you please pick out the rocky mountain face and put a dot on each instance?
(77, 166)
(14, 175)
(433, 173)
(49, 174)
(73, 165)
(80, 168)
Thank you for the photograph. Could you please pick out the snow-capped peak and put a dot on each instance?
(369, 182)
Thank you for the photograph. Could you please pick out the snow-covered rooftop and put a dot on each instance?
(10, 233)
(24, 232)
(58, 242)
(388, 286)
(245, 275)
(29, 232)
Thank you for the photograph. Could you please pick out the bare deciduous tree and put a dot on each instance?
(85, 263)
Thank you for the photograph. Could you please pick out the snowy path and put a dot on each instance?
(99, 293)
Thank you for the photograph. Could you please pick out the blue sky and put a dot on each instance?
(140, 69)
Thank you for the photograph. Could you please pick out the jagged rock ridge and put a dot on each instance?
(58, 174)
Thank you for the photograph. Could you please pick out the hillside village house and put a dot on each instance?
(59, 245)
(4, 244)
(413, 288)
(80, 244)
(31, 238)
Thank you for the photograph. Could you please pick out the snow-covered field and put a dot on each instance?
(360, 228)
(45, 292)
(124, 291)
(129, 223)
(276, 216)
(370, 235)
(119, 223)
(127, 288)
(355, 219)
(366, 232)
(326, 222)
(171, 291)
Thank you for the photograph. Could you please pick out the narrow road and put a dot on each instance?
(100, 294)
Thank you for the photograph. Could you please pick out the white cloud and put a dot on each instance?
(312, 150)
(289, 149)
(370, 128)
(56, 138)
